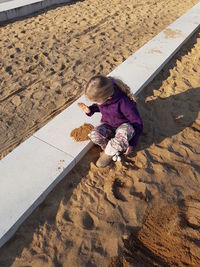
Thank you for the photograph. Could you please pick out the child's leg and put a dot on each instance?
(121, 140)
(101, 134)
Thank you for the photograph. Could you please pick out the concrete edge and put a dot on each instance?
(16, 9)
(13, 229)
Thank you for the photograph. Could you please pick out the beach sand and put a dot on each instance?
(145, 210)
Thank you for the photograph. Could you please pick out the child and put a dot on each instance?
(121, 124)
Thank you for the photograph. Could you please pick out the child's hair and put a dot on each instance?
(124, 88)
(100, 88)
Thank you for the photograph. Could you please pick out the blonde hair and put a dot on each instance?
(125, 89)
(100, 88)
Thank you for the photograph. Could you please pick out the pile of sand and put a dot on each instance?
(144, 209)
(168, 237)
(81, 133)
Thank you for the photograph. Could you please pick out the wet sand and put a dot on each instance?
(143, 211)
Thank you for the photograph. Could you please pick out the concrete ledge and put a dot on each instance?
(141, 67)
(18, 8)
(33, 169)
(28, 174)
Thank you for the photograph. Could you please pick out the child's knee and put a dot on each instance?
(96, 136)
(125, 130)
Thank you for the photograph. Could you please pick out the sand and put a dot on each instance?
(169, 235)
(145, 210)
(47, 59)
(81, 133)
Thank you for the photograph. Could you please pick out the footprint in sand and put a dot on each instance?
(87, 221)
(142, 190)
(67, 217)
(122, 191)
(118, 189)
(84, 219)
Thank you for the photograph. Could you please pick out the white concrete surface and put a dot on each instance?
(12, 4)
(18, 8)
(30, 171)
(57, 132)
(141, 67)
(28, 174)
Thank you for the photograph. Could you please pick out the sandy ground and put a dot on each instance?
(47, 59)
(144, 211)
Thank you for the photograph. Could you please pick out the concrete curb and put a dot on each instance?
(14, 9)
(33, 169)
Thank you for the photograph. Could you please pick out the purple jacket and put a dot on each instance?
(117, 110)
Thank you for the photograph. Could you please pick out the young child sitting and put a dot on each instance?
(121, 124)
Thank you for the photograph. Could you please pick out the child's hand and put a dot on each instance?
(84, 107)
(128, 150)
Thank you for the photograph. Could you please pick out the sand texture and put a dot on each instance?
(145, 210)
(169, 235)
(81, 133)
(47, 59)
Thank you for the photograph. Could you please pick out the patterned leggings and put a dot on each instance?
(112, 140)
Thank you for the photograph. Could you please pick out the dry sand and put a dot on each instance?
(81, 133)
(47, 59)
(144, 211)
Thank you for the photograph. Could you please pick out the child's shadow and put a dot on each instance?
(166, 117)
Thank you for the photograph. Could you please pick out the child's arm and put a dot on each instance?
(89, 111)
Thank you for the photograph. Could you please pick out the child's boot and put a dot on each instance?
(104, 160)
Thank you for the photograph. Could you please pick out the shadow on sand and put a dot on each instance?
(165, 117)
